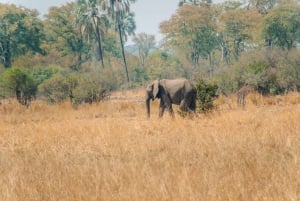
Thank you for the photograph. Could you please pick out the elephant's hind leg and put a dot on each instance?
(161, 111)
(170, 109)
(188, 105)
(183, 105)
(192, 105)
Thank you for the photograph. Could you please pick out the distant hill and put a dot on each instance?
(133, 49)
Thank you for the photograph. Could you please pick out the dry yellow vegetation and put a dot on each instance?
(111, 151)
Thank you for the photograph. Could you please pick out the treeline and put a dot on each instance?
(78, 51)
(234, 43)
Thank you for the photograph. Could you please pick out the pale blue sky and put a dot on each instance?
(148, 13)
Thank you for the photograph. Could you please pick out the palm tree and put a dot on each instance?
(119, 10)
(94, 21)
(125, 27)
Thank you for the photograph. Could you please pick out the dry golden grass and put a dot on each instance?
(111, 151)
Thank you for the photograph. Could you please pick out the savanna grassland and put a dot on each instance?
(111, 151)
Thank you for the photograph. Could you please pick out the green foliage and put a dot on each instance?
(75, 86)
(271, 72)
(198, 40)
(206, 41)
(282, 26)
(145, 44)
(256, 67)
(55, 89)
(192, 32)
(160, 65)
(139, 75)
(21, 32)
(289, 71)
(231, 5)
(66, 38)
(254, 73)
(20, 84)
(41, 74)
(206, 94)
(87, 90)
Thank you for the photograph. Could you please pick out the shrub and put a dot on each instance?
(206, 94)
(272, 72)
(55, 89)
(19, 83)
(139, 75)
(78, 87)
(86, 89)
(43, 73)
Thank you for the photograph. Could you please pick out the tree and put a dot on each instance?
(192, 28)
(282, 26)
(238, 26)
(21, 31)
(20, 84)
(67, 34)
(93, 21)
(125, 27)
(119, 11)
(161, 64)
(207, 40)
(195, 2)
(55, 89)
(145, 43)
(206, 94)
(263, 6)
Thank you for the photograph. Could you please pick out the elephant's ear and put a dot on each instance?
(155, 88)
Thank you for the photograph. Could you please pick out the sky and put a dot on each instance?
(148, 13)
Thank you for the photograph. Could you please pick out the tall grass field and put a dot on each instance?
(110, 151)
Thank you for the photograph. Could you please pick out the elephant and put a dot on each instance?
(177, 91)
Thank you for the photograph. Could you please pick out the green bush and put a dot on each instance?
(206, 94)
(41, 74)
(86, 89)
(18, 83)
(272, 72)
(79, 88)
(139, 75)
(55, 89)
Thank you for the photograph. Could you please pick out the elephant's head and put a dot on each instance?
(152, 92)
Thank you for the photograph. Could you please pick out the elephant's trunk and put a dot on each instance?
(148, 107)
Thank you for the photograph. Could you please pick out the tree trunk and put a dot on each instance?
(123, 52)
(210, 64)
(7, 54)
(99, 39)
